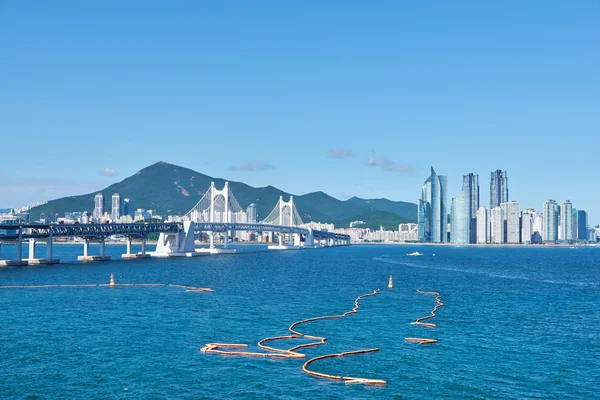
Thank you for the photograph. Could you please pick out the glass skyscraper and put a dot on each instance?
(460, 221)
(471, 190)
(582, 222)
(498, 188)
(433, 213)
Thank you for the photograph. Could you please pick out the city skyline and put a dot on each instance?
(359, 98)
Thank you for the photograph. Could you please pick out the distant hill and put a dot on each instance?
(171, 189)
(402, 209)
(4, 210)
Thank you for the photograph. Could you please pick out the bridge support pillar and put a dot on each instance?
(49, 246)
(226, 238)
(32, 249)
(281, 238)
(297, 241)
(128, 246)
(86, 252)
(144, 246)
(19, 247)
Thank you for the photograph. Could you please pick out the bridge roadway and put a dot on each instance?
(100, 232)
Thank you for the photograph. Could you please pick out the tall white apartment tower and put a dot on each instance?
(566, 221)
(526, 225)
(98, 213)
(482, 225)
(512, 218)
(116, 207)
(496, 225)
(550, 221)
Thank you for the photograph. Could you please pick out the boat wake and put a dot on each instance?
(387, 260)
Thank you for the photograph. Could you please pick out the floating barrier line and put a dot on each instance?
(439, 304)
(111, 284)
(292, 353)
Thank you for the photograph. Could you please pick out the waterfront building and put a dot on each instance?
(116, 207)
(527, 225)
(98, 213)
(439, 208)
(498, 188)
(512, 221)
(566, 223)
(582, 228)
(496, 225)
(424, 212)
(460, 219)
(128, 207)
(574, 223)
(537, 225)
(471, 190)
(551, 221)
(408, 233)
(482, 225)
(424, 221)
(251, 213)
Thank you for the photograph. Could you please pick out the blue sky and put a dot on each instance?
(348, 97)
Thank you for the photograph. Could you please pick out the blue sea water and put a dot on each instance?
(517, 323)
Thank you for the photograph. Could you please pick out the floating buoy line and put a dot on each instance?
(419, 321)
(292, 353)
(110, 284)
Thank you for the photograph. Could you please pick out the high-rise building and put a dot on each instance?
(424, 212)
(460, 221)
(537, 225)
(471, 190)
(433, 213)
(116, 207)
(574, 223)
(551, 220)
(251, 213)
(566, 221)
(527, 225)
(498, 188)
(496, 225)
(98, 213)
(424, 221)
(582, 222)
(482, 225)
(512, 221)
(439, 210)
(128, 207)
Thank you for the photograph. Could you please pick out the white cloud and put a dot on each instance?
(340, 153)
(371, 162)
(109, 172)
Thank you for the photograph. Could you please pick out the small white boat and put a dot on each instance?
(415, 254)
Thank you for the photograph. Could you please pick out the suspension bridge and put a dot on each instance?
(216, 217)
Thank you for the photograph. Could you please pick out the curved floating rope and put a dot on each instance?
(112, 284)
(292, 353)
(439, 304)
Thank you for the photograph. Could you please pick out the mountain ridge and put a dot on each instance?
(172, 189)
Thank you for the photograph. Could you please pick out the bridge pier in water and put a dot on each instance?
(142, 254)
(86, 252)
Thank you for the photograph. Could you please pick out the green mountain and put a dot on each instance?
(402, 209)
(170, 189)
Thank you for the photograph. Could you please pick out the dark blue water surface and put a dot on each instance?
(517, 323)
